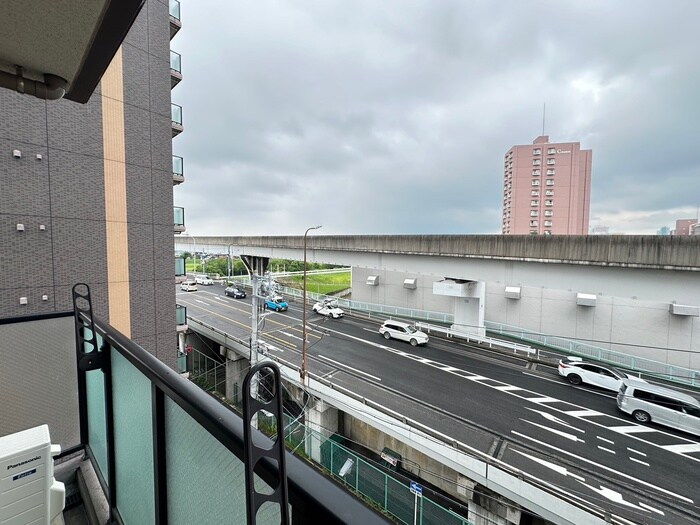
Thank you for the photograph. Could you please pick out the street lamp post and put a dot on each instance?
(303, 314)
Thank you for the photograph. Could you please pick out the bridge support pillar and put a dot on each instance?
(470, 299)
(255, 265)
(322, 419)
(236, 369)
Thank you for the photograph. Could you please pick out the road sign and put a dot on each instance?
(417, 489)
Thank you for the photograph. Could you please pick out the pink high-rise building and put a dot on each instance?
(546, 189)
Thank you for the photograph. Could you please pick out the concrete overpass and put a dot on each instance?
(635, 294)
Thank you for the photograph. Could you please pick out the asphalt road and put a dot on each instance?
(532, 419)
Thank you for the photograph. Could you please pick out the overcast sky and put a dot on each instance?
(393, 116)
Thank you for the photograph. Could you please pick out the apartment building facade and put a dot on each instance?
(546, 189)
(88, 192)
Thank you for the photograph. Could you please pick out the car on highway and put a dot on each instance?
(276, 303)
(647, 402)
(329, 308)
(403, 332)
(204, 280)
(235, 292)
(188, 286)
(578, 371)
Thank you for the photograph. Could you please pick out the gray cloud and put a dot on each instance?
(393, 117)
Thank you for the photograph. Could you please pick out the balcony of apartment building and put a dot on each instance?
(179, 219)
(139, 443)
(176, 119)
(178, 170)
(175, 68)
(175, 22)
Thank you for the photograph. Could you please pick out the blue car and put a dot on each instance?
(276, 303)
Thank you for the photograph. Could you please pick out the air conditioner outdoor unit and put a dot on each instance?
(28, 491)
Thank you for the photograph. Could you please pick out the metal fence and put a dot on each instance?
(674, 373)
(390, 494)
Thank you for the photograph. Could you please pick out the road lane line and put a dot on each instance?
(652, 509)
(565, 435)
(582, 413)
(542, 399)
(636, 452)
(631, 429)
(555, 419)
(606, 440)
(607, 450)
(507, 388)
(603, 467)
(203, 302)
(639, 461)
(348, 367)
(683, 449)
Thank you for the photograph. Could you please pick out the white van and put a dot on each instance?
(647, 402)
(403, 332)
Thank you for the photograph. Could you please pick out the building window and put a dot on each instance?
(534, 203)
(549, 193)
(550, 182)
(548, 224)
(533, 223)
(549, 202)
(536, 162)
(550, 171)
(534, 213)
(537, 182)
(537, 151)
(548, 213)
(551, 151)
(535, 173)
(535, 193)
(550, 162)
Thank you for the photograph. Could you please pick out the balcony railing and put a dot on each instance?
(175, 23)
(181, 314)
(178, 170)
(163, 450)
(175, 69)
(179, 219)
(180, 267)
(176, 119)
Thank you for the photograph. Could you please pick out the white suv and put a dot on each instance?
(204, 279)
(403, 332)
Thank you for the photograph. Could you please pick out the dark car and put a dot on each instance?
(235, 292)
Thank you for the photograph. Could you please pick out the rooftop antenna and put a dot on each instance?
(544, 108)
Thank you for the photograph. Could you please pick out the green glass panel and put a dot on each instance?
(97, 430)
(206, 482)
(133, 442)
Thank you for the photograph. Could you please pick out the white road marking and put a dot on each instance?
(607, 450)
(555, 419)
(349, 367)
(603, 467)
(507, 388)
(652, 509)
(606, 440)
(220, 299)
(583, 413)
(565, 435)
(683, 449)
(556, 468)
(290, 335)
(631, 429)
(542, 399)
(476, 378)
(203, 302)
(639, 461)
(612, 496)
(636, 452)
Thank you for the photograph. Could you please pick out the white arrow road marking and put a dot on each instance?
(683, 449)
(555, 419)
(557, 468)
(291, 335)
(611, 495)
(565, 435)
(337, 363)
(220, 299)
(602, 467)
